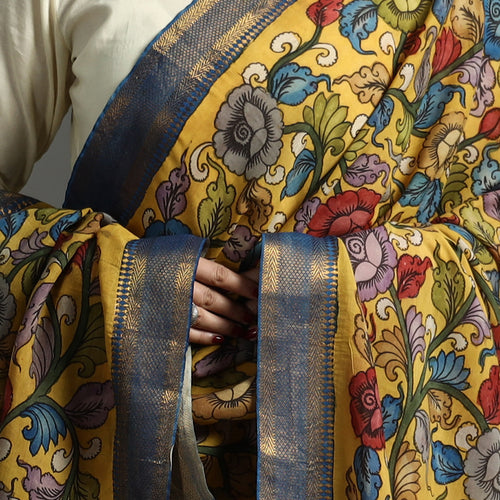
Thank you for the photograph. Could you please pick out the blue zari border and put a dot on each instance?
(296, 398)
(145, 117)
(149, 343)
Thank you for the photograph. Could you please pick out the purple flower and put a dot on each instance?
(250, 127)
(491, 202)
(40, 487)
(305, 214)
(479, 73)
(239, 244)
(373, 259)
(366, 170)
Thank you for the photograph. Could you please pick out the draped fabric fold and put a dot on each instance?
(371, 125)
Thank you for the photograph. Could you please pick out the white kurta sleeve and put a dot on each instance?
(54, 53)
(34, 80)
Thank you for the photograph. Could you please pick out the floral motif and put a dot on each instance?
(411, 274)
(413, 41)
(366, 409)
(41, 486)
(482, 467)
(235, 402)
(490, 124)
(405, 16)
(345, 213)
(373, 259)
(305, 214)
(441, 144)
(489, 396)
(448, 49)
(249, 129)
(239, 244)
(324, 12)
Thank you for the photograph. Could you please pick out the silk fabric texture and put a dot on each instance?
(373, 128)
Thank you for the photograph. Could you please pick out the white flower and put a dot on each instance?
(482, 466)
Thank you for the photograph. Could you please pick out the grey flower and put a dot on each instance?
(249, 129)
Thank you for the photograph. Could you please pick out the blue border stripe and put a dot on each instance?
(128, 145)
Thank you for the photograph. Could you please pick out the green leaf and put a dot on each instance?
(327, 117)
(47, 215)
(358, 144)
(86, 487)
(92, 350)
(404, 128)
(214, 212)
(449, 287)
(455, 184)
(482, 230)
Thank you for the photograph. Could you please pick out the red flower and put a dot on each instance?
(452, 219)
(448, 48)
(366, 409)
(490, 124)
(345, 213)
(413, 42)
(411, 275)
(489, 396)
(324, 12)
(80, 254)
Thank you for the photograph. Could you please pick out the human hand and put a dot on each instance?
(218, 314)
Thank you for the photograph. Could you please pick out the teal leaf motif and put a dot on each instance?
(367, 467)
(446, 463)
(357, 21)
(486, 176)
(11, 224)
(296, 178)
(392, 409)
(46, 426)
(424, 193)
(449, 369)
(293, 83)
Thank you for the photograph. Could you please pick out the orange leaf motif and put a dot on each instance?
(391, 353)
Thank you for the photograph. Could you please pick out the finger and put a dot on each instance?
(252, 305)
(216, 324)
(252, 274)
(205, 338)
(215, 302)
(216, 275)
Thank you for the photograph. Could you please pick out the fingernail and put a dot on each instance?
(217, 339)
(251, 333)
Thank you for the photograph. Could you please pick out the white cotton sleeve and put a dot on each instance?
(57, 53)
(34, 78)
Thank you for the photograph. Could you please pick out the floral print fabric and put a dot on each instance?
(376, 122)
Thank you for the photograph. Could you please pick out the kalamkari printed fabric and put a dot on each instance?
(351, 148)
